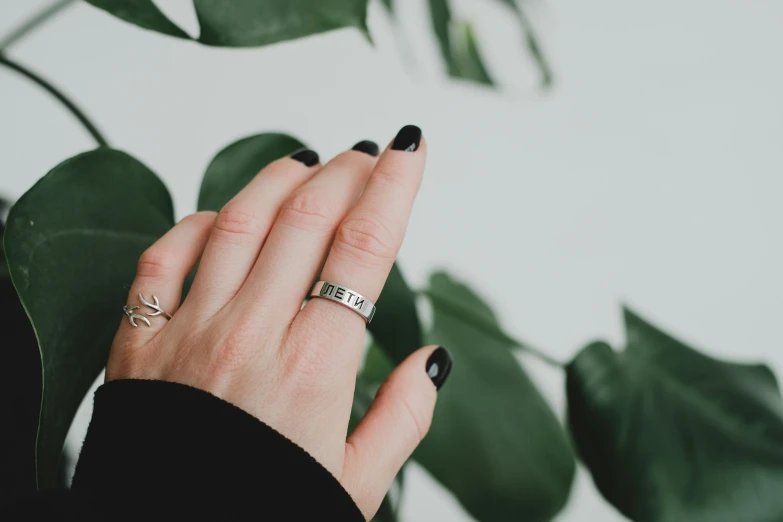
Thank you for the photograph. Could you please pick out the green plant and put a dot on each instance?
(667, 433)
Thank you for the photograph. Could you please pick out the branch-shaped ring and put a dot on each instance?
(154, 305)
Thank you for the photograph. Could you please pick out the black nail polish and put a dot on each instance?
(306, 156)
(439, 366)
(408, 139)
(368, 147)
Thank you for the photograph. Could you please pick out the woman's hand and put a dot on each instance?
(242, 333)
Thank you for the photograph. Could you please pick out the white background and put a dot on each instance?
(650, 174)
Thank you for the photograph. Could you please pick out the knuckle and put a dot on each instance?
(307, 210)
(235, 349)
(310, 352)
(366, 239)
(155, 262)
(237, 226)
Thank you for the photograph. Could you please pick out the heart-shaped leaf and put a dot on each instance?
(495, 442)
(72, 242)
(247, 23)
(672, 435)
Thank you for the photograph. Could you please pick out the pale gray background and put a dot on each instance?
(650, 175)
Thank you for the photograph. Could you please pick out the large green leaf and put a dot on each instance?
(672, 435)
(457, 45)
(238, 163)
(495, 443)
(72, 242)
(247, 23)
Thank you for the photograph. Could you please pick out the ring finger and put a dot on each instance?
(300, 238)
(241, 228)
(367, 242)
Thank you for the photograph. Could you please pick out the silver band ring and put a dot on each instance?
(346, 297)
(154, 305)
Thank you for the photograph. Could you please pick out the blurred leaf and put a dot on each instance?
(143, 13)
(377, 366)
(457, 45)
(531, 42)
(247, 23)
(396, 326)
(237, 164)
(467, 58)
(72, 242)
(389, 4)
(671, 435)
(495, 442)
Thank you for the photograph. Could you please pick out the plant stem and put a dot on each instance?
(485, 326)
(34, 21)
(51, 89)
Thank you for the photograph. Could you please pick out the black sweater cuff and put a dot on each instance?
(161, 448)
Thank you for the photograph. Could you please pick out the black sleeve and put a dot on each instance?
(160, 449)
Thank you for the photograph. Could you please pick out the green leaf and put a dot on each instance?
(531, 42)
(72, 242)
(495, 442)
(143, 13)
(467, 58)
(457, 45)
(247, 23)
(389, 5)
(238, 163)
(672, 435)
(396, 326)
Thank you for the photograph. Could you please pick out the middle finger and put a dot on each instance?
(241, 228)
(304, 229)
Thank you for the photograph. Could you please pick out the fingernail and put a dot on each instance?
(408, 139)
(368, 147)
(306, 156)
(439, 366)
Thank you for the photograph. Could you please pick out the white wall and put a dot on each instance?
(650, 175)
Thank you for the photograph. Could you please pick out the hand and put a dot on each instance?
(242, 334)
